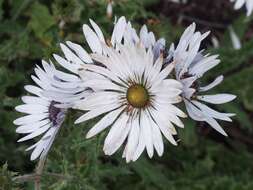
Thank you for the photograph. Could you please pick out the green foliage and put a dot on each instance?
(6, 178)
(32, 30)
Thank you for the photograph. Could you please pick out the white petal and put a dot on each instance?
(97, 30)
(216, 82)
(214, 124)
(165, 126)
(80, 52)
(67, 65)
(118, 30)
(141, 145)
(33, 90)
(92, 39)
(249, 6)
(37, 151)
(70, 56)
(35, 100)
(204, 65)
(157, 138)
(30, 119)
(217, 99)
(96, 112)
(145, 125)
(97, 84)
(213, 113)
(239, 4)
(29, 128)
(49, 140)
(193, 111)
(106, 121)
(35, 133)
(132, 141)
(97, 99)
(32, 109)
(117, 134)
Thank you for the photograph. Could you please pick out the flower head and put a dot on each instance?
(44, 117)
(191, 65)
(135, 97)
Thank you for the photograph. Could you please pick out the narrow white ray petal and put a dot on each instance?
(174, 119)
(214, 124)
(33, 90)
(132, 141)
(176, 110)
(80, 51)
(32, 147)
(31, 109)
(96, 112)
(158, 63)
(144, 35)
(187, 82)
(145, 125)
(193, 111)
(187, 35)
(118, 30)
(103, 71)
(30, 119)
(157, 138)
(35, 100)
(37, 151)
(43, 85)
(249, 6)
(67, 65)
(49, 141)
(141, 145)
(70, 56)
(159, 46)
(35, 133)
(164, 73)
(50, 133)
(49, 68)
(97, 84)
(239, 4)
(65, 98)
(97, 99)
(165, 126)
(213, 84)
(97, 30)
(106, 121)
(92, 39)
(204, 65)
(29, 128)
(66, 76)
(117, 134)
(212, 113)
(217, 98)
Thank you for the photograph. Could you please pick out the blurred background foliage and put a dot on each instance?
(31, 30)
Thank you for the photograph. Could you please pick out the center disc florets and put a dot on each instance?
(137, 96)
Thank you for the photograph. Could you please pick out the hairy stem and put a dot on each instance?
(38, 172)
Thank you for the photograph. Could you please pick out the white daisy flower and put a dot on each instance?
(135, 97)
(190, 66)
(239, 4)
(43, 115)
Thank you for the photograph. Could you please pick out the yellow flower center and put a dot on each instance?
(137, 96)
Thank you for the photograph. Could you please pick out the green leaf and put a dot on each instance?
(40, 21)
